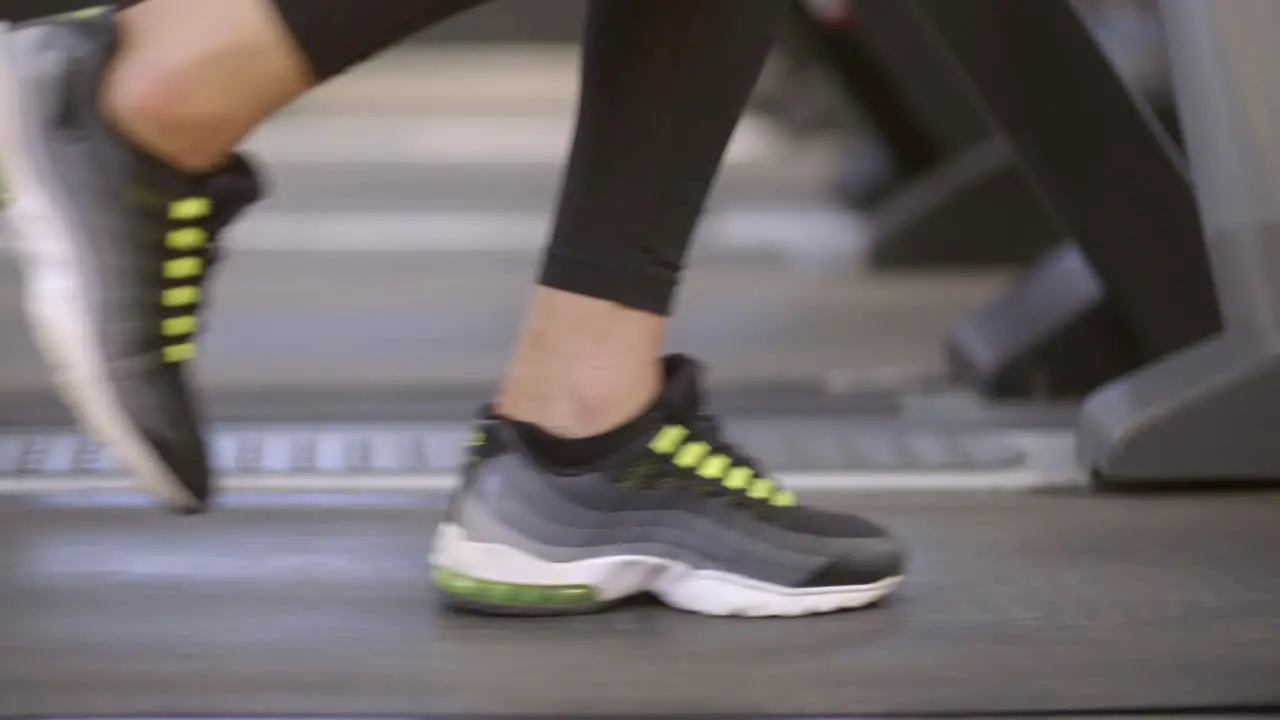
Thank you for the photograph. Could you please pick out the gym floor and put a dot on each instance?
(314, 606)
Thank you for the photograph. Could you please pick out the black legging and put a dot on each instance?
(663, 85)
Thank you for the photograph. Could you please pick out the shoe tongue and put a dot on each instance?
(682, 393)
(233, 187)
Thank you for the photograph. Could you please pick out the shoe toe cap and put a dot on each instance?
(864, 561)
(166, 424)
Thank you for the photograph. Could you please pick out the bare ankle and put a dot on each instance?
(582, 405)
(583, 366)
(192, 79)
(153, 109)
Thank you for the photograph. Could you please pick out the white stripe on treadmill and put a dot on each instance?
(464, 140)
(433, 78)
(789, 230)
(1012, 480)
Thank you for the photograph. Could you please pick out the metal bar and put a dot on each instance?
(1226, 63)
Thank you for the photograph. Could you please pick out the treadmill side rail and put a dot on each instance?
(1211, 412)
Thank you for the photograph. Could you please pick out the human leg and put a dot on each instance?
(117, 133)
(663, 86)
(597, 474)
(192, 79)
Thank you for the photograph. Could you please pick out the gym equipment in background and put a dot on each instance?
(798, 90)
(889, 147)
(956, 196)
(1209, 413)
(1134, 285)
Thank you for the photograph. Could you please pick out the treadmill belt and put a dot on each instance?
(408, 450)
(314, 605)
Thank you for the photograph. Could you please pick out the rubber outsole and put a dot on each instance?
(503, 580)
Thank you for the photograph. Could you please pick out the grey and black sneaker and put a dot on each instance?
(680, 513)
(115, 248)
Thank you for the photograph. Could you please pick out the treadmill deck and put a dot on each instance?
(297, 604)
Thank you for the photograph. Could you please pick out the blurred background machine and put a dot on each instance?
(984, 294)
(998, 135)
(931, 164)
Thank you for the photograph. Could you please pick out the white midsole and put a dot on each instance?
(710, 592)
(58, 297)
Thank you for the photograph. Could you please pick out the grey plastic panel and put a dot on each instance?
(1225, 60)
(1210, 412)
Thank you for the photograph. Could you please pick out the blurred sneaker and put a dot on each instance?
(115, 249)
(680, 513)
